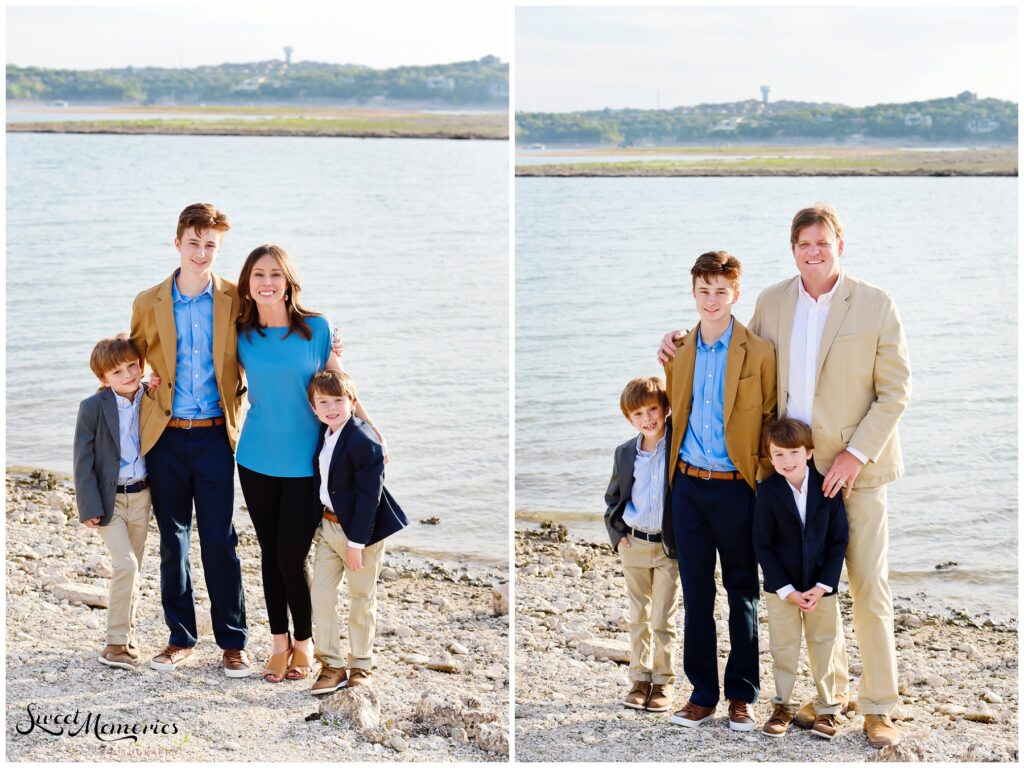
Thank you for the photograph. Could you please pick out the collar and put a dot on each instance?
(180, 298)
(124, 403)
(657, 449)
(803, 486)
(724, 339)
(825, 298)
(332, 437)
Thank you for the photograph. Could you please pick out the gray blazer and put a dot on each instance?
(97, 456)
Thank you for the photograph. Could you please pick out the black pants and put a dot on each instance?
(716, 517)
(285, 514)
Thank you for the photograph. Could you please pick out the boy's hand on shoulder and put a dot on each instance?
(353, 559)
(92, 522)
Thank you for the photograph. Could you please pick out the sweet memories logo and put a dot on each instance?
(89, 723)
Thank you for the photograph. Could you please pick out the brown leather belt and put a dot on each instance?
(193, 423)
(330, 515)
(707, 474)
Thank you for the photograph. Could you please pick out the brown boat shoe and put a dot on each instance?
(357, 677)
(805, 716)
(660, 699)
(825, 726)
(170, 658)
(236, 663)
(119, 656)
(741, 718)
(881, 731)
(329, 680)
(692, 715)
(778, 724)
(638, 695)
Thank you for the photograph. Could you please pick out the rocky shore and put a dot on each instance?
(440, 693)
(958, 677)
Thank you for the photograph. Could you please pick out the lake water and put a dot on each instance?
(602, 272)
(402, 243)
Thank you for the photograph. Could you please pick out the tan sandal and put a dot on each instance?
(278, 666)
(301, 666)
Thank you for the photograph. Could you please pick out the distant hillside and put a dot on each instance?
(961, 118)
(483, 83)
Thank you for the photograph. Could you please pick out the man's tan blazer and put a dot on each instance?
(155, 334)
(749, 399)
(863, 379)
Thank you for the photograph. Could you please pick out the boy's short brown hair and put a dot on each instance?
(819, 213)
(714, 263)
(111, 352)
(333, 384)
(201, 217)
(642, 391)
(788, 433)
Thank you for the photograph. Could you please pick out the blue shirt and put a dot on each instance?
(646, 504)
(280, 432)
(195, 381)
(133, 466)
(704, 443)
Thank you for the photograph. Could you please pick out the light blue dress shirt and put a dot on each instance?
(646, 504)
(195, 381)
(133, 466)
(704, 444)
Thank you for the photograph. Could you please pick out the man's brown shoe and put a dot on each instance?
(660, 699)
(638, 695)
(118, 656)
(778, 724)
(881, 731)
(236, 663)
(357, 677)
(806, 715)
(329, 680)
(692, 715)
(741, 718)
(825, 726)
(169, 658)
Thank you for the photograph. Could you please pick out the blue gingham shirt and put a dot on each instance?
(133, 465)
(195, 382)
(704, 444)
(646, 504)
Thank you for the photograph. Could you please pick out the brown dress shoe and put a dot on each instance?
(329, 680)
(825, 726)
(638, 695)
(741, 718)
(778, 724)
(118, 656)
(692, 715)
(169, 658)
(357, 677)
(236, 663)
(806, 715)
(881, 731)
(660, 699)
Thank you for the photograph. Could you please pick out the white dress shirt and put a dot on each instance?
(800, 497)
(324, 459)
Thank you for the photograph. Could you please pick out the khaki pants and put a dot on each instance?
(328, 571)
(652, 583)
(125, 537)
(867, 567)
(786, 623)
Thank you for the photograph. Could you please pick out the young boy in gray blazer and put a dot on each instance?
(640, 529)
(110, 484)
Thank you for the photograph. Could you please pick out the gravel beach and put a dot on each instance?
(958, 677)
(441, 692)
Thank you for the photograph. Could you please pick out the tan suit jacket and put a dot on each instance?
(749, 399)
(155, 334)
(863, 379)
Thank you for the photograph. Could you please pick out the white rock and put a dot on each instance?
(51, 677)
(397, 743)
(458, 649)
(359, 706)
(58, 500)
(492, 738)
(992, 697)
(600, 648)
(83, 593)
(232, 746)
(404, 632)
(414, 658)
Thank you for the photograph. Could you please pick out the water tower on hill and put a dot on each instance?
(764, 98)
(287, 55)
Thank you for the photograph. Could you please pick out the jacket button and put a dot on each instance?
(170, 385)
(167, 413)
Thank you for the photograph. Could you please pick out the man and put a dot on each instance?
(843, 369)
(185, 329)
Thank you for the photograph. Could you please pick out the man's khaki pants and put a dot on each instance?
(867, 566)
(786, 624)
(328, 571)
(652, 583)
(125, 537)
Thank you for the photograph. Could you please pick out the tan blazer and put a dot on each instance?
(863, 377)
(154, 333)
(749, 399)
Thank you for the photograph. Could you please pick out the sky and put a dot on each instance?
(583, 58)
(92, 37)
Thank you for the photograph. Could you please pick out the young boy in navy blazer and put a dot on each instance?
(800, 537)
(358, 514)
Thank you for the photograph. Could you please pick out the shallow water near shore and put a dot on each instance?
(603, 272)
(401, 243)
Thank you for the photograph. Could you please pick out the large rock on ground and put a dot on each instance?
(907, 752)
(492, 738)
(499, 598)
(359, 706)
(434, 712)
(600, 648)
(82, 593)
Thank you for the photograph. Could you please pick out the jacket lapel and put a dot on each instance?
(683, 374)
(626, 476)
(109, 407)
(221, 320)
(787, 308)
(166, 329)
(836, 314)
(733, 365)
(785, 490)
(346, 431)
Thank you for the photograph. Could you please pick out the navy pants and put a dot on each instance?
(709, 517)
(189, 466)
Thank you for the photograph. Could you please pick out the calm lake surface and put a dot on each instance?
(602, 272)
(401, 243)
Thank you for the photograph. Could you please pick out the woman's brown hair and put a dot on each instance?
(249, 318)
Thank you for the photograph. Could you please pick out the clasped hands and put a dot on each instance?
(806, 601)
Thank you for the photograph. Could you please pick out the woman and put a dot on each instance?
(280, 346)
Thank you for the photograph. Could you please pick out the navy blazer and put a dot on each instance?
(791, 553)
(355, 483)
(620, 490)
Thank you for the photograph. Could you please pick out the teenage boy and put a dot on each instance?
(110, 485)
(721, 388)
(358, 514)
(638, 523)
(185, 329)
(800, 538)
